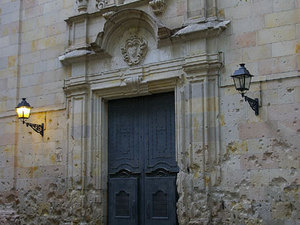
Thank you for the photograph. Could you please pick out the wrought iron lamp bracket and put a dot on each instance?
(254, 104)
(39, 128)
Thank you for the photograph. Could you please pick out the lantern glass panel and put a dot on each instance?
(23, 112)
(239, 82)
(247, 82)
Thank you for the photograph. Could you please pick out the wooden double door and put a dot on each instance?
(141, 161)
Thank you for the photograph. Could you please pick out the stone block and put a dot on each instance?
(27, 69)
(281, 113)
(281, 210)
(11, 7)
(298, 62)
(257, 53)
(246, 39)
(277, 34)
(286, 95)
(12, 60)
(4, 41)
(33, 12)
(55, 29)
(53, 6)
(282, 18)
(29, 24)
(279, 5)
(284, 64)
(297, 93)
(9, 50)
(283, 48)
(238, 12)
(3, 62)
(257, 130)
(253, 24)
(9, 18)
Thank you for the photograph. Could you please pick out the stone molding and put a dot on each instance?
(158, 6)
(202, 30)
(134, 50)
(103, 5)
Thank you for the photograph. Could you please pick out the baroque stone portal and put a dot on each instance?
(134, 51)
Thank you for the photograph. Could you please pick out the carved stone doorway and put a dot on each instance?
(142, 165)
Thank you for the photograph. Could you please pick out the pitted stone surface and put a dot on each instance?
(234, 167)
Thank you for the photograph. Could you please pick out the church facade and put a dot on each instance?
(142, 121)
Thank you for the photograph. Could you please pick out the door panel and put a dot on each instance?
(141, 160)
(160, 198)
(161, 133)
(123, 136)
(123, 201)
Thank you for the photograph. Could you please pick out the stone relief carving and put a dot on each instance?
(134, 51)
(82, 5)
(108, 14)
(132, 83)
(101, 4)
(158, 6)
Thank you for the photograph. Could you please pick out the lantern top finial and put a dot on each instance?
(23, 103)
(242, 71)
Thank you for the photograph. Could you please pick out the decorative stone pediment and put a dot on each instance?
(129, 18)
(134, 51)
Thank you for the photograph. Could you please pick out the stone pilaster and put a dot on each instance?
(200, 157)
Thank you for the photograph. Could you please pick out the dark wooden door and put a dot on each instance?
(141, 161)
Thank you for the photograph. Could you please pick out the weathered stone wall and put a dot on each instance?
(251, 178)
(260, 169)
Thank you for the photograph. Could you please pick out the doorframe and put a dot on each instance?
(195, 82)
(99, 123)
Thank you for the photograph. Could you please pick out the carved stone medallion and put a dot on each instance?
(101, 4)
(134, 51)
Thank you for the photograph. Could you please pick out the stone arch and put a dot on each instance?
(129, 18)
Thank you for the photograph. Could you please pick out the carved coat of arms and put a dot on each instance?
(134, 51)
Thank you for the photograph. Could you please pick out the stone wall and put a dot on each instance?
(260, 170)
(235, 167)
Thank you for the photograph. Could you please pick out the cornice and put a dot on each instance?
(139, 77)
(201, 30)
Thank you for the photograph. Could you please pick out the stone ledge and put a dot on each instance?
(208, 29)
(256, 79)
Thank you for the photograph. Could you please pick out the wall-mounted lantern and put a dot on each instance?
(242, 80)
(23, 112)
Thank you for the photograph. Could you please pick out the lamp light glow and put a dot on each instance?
(23, 112)
(23, 109)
